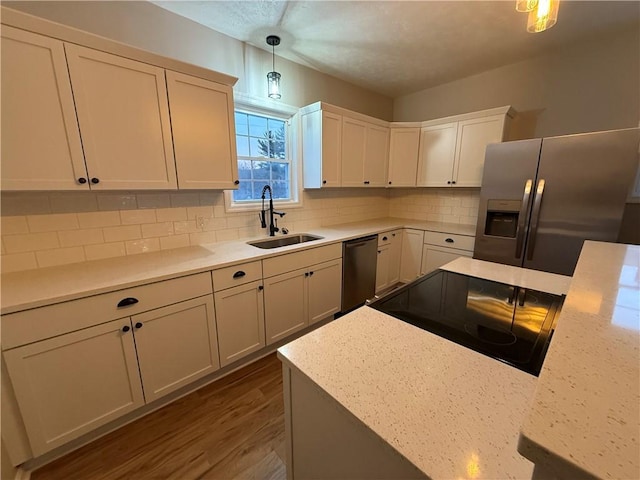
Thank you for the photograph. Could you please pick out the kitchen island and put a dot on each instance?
(438, 410)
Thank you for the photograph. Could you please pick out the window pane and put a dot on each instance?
(261, 171)
(279, 171)
(280, 190)
(242, 127)
(243, 192)
(242, 146)
(244, 169)
(259, 147)
(257, 126)
(277, 150)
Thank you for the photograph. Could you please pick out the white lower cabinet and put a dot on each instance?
(176, 345)
(69, 385)
(441, 248)
(300, 289)
(412, 241)
(240, 320)
(389, 255)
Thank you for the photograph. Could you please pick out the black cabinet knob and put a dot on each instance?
(260, 287)
(239, 274)
(324, 181)
(138, 325)
(379, 251)
(125, 302)
(449, 240)
(384, 239)
(310, 273)
(237, 182)
(126, 328)
(366, 182)
(95, 180)
(453, 182)
(82, 180)
(448, 182)
(389, 183)
(306, 274)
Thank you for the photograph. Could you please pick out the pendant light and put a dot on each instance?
(525, 5)
(543, 16)
(273, 77)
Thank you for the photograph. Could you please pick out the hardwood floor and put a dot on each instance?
(231, 429)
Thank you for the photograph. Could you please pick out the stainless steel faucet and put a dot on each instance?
(273, 223)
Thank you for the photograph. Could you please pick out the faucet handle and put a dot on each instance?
(285, 230)
(275, 225)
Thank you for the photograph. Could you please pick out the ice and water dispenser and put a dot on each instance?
(502, 218)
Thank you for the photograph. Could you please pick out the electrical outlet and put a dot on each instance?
(200, 221)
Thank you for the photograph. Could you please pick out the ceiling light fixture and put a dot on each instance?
(273, 77)
(543, 16)
(525, 5)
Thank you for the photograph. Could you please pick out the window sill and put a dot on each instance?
(230, 207)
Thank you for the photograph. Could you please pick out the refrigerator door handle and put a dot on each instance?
(522, 217)
(535, 215)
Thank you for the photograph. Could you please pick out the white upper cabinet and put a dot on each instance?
(403, 156)
(437, 155)
(354, 141)
(452, 149)
(124, 120)
(41, 147)
(203, 132)
(376, 156)
(321, 148)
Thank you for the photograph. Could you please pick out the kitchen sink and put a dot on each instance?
(284, 241)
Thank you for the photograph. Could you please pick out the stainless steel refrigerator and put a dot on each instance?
(542, 198)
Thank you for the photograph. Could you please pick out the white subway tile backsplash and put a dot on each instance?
(227, 235)
(105, 250)
(98, 219)
(134, 247)
(182, 199)
(171, 214)
(153, 200)
(60, 256)
(17, 262)
(201, 211)
(125, 232)
(108, 202)
(75, 238)
(188, 226)
(137, 217)
(157, 229)
(73, 202)
(52, 223)
(31, 242)
(14, 225)
(174, 241)
(202, 238)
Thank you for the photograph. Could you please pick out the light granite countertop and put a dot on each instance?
(450, 411)
(584, 421)
(45, 286)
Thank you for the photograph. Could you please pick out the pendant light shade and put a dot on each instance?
(273, 77)
(543, 16)
(526, 5)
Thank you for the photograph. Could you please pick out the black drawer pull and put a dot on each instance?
(138, 325)
(125, 329)
(239, 274)
(384, 239)
(125, 302)
(449, 240)
(366, 182)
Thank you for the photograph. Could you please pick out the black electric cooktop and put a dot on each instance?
(511, 324)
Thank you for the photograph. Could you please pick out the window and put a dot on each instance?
(263, 158)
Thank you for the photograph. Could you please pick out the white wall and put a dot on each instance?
(579, 88)
(149, 27)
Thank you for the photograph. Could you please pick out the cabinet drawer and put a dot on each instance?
(292, 261)
(236, 275)
(461, 242)
(385, 238)
(45, 322)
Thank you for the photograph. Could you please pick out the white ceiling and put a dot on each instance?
(398, 47)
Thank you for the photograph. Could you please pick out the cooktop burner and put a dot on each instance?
(511, 324)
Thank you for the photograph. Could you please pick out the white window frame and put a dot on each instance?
(289, 114)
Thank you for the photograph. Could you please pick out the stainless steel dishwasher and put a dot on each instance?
(359, 258)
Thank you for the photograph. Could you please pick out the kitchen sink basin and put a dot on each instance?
(284, 241)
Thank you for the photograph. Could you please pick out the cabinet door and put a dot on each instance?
(403, 156)
(41, 147)
(437, 154)
(324, 290)
(395, 255)
(331, 150)
(411, 260)
(176, 345)
(203, 129)
(240, 320)
(434, 257)
(376, 156)
(473, 138)
(285, 304)
(124, 120)
(354, 136)
(382, 268)
(69, 385)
